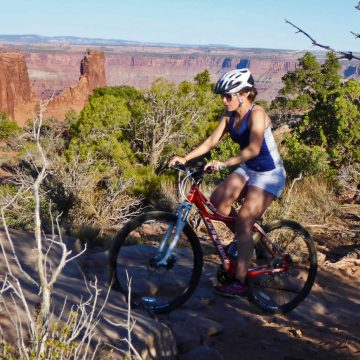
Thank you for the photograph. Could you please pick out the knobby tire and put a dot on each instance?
(132, 251)
(270, 293)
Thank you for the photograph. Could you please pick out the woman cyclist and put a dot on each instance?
(260, 175)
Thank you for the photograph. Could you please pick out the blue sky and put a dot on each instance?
(256, 23)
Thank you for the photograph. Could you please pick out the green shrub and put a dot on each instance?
(145, 183)
(308, 160)
(329, 134)
(58, 345)
(19, 215)
(225, 149)
(8, 127)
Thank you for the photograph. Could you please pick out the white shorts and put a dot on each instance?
(272, 181)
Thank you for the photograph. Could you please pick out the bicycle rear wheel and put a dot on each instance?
(282, 292)
(135, 251)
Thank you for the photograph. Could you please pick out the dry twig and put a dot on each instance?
(130, 323)
(344, 54)
(82, 327)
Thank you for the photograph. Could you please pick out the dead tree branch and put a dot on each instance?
(357, 35)
(287, 201)
(32, 341)
(130, 323)
(343, 54)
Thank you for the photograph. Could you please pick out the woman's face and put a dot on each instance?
(233, 101)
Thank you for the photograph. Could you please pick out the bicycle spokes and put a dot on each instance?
(289, 274)
(161, 274)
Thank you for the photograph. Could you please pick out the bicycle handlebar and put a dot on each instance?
(197, 169)
(196, 172)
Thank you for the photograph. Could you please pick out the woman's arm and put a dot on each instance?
(207, 145)
(210, 142)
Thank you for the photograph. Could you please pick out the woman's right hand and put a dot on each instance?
(176, 160)
(214, 165)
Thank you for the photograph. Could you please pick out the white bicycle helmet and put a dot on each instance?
(234, 81)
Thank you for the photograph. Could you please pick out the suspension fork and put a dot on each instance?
(183, 211)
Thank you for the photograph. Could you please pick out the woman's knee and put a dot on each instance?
(244, 224)
(227, 193)
(218, 197)
(230, 188)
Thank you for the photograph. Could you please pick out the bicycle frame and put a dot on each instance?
(202, 203)
(162, 252)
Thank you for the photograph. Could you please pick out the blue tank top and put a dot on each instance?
(269, 156)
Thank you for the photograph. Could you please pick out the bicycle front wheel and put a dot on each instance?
(283, 291)
(136, 253)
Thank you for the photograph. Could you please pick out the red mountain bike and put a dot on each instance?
(162, 254)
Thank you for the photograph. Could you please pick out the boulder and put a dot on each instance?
(151, 338)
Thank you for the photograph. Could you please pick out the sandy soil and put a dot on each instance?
(325, 326)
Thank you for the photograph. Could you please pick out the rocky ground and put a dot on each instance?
(208, 326)
(324, 326)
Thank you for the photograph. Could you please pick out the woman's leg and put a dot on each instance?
(226, 193)
(255, 203)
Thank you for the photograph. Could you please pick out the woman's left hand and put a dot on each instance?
(214, 165)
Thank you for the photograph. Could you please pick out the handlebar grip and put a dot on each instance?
(210, 170)
(178, 165)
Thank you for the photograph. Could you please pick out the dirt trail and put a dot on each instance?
(324, 326)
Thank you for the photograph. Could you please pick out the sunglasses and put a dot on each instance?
(228, 97)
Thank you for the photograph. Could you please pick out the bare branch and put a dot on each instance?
(83, 324)
(344, 55)
(130, 323)
(11, 242)
(129, 318)
(287, 201)
(77, 255)
(314, 42)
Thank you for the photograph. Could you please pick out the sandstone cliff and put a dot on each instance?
(18, 100)
(92, 75)
(140, 65)
(15, 89)
(52, 71)
(55, 72)
(141, 70)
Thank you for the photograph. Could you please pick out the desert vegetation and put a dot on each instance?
(109, 161)
(88, 175)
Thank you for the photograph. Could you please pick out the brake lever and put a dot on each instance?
(179, 166)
